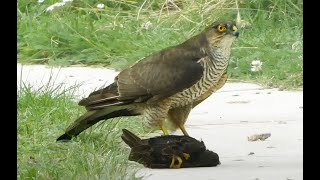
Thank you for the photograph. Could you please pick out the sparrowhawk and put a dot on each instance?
(165, 85)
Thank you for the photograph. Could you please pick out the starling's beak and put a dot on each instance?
(235, 31)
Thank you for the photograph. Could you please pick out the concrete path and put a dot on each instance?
(223, 122)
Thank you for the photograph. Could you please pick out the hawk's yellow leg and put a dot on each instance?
(181, 126)
(164, 130)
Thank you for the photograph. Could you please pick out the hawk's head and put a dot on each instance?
(222, 34)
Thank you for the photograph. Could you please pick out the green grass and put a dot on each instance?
(78, 33)
(97, 153)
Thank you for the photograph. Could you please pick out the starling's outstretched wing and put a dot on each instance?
(155, 77)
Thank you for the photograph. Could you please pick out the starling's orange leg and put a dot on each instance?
(173, 165)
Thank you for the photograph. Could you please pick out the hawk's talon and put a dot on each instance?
(186, 156)
(173, 165)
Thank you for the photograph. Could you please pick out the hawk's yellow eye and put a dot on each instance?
(221, 28)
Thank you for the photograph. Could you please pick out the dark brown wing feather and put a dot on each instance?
(157, 76)
(103, 98)
(161, 75)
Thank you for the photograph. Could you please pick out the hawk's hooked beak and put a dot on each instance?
(235, 31)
